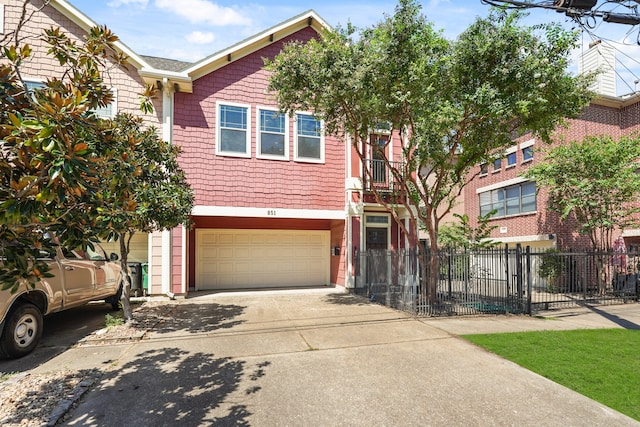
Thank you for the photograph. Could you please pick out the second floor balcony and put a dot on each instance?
(381, 177)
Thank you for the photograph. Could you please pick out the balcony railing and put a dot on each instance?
(381, 179)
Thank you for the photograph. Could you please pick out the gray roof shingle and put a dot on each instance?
(165, 63)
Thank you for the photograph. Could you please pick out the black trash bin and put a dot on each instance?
(136, 278)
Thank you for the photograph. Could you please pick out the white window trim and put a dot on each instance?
(493, 166)
(1, 19)
(219, 152)
(37, 81)
(507, 183)
(259, 133)
(523, 147)
(527, 144)
(295, 141)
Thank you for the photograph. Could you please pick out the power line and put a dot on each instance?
(584, 12)
(589, 15)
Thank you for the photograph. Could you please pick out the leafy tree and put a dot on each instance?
(463, 235)
(143, 188)
(595, 181)
(50, 141)
(453, 104)
(552, 266)
(66, 172)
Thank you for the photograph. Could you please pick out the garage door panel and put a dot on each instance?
(227, 259)
(240, 239)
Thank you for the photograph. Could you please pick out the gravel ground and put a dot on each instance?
(28, 399)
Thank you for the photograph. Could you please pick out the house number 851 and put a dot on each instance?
(271, 212)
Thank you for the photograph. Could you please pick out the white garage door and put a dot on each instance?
(234, 259)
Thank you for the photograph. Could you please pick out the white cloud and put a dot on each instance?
(118, 3)
(199, 37)
(186, 53)
(203, 11)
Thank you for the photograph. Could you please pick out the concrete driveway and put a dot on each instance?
(314, 358)
(61, 330)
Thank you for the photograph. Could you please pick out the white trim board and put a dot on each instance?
(267, 212)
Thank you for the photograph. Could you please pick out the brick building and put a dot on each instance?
(522, 215)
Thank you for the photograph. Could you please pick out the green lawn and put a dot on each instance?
(603, 364)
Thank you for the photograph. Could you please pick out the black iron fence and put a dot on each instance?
(508, 280)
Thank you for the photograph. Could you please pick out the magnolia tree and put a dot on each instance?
(454, 104)
(50, 144)
(65, 172)
(142, 187)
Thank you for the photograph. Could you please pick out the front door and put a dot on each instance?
(377, 239)
(377, 247)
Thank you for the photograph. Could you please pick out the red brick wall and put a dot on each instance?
(630, 121)
(251, 182)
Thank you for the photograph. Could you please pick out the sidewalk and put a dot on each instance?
(614, 316)
(319, 358)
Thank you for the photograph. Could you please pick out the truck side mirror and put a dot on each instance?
(113, 256)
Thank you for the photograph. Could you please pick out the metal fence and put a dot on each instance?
(508, 280)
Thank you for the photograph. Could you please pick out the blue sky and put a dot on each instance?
(190, 30)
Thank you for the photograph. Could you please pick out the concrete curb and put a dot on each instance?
(64, 406)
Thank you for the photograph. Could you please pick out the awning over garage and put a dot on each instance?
(241, 259)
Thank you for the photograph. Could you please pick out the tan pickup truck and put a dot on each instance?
(79, 277)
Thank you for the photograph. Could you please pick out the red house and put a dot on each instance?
(278, 203)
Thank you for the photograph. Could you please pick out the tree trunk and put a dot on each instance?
(126, 281)
(429, 289)
(434, 273)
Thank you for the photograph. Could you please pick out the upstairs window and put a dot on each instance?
(233, 133)
(511, 159)
(512, 200)
(106, 112)
(308, 139)
(527, 154)
(497, 165)
(33, 84)
(272, 135)
(109, 110)
(484, 168)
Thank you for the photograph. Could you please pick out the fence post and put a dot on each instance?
(506, 267)
(585, 281)
(449, 272)
(519, 271)
(529, 280)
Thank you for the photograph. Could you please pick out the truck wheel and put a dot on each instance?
(22, 331)
(115, 299)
